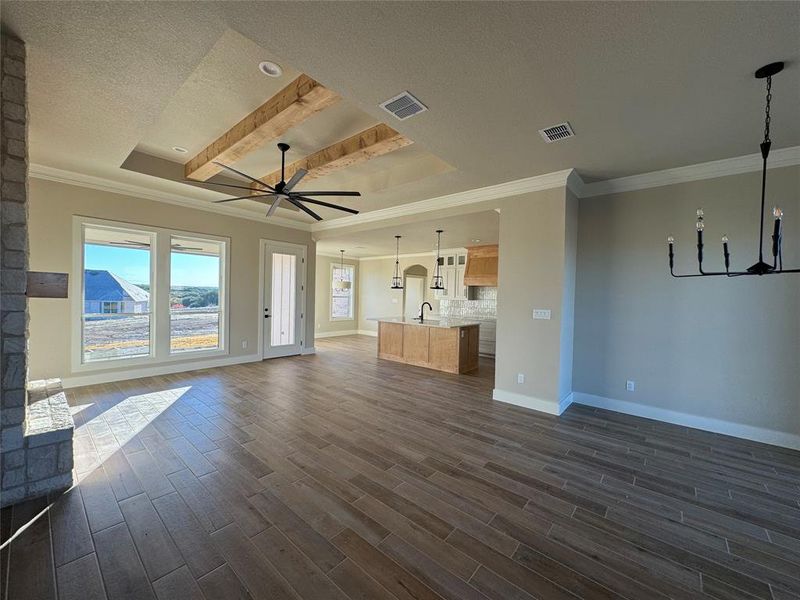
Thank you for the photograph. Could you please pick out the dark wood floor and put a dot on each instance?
(340, 476)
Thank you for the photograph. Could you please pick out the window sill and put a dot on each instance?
(146, 361)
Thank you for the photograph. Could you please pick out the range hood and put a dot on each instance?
(481, 269)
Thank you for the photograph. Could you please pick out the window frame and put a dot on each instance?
(221, 296)
(160, 277)
(352, 314)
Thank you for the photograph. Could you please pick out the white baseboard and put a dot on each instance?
(546, 406)
(565, 402)
(368, 332)
(149, 371)
(748, 432)
(327, 334)
(309, 350)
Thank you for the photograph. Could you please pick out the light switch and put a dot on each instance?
(541, 313)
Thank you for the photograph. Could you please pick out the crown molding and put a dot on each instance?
(785, 157)
(338, 256)
(569, 178)
(465, 198)
(116, 187)
(410, 255)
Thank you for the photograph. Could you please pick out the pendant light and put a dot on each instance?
(437, 282)
(761, 267)
(397, 280)
(341, 284)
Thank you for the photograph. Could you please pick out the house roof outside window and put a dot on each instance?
(105, 286)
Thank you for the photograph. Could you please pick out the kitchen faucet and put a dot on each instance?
(421, 316)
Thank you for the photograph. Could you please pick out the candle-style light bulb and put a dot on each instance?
(700, 225)
(700, 213)
(726, 255)
(777, 212)
(670, 240)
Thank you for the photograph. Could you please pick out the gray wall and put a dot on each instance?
(535, 270)
(720, 348)
(52, 207)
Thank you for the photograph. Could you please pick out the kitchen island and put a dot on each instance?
(449, 345)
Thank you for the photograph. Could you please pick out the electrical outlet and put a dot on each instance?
(244, 343)
(541, 313)
(520, 377)
(630, 385)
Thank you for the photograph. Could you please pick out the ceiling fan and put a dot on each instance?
(283, 190)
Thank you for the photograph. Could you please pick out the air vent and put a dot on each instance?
(403, 106)
(556, 133)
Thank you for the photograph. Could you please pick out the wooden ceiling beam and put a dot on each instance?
(370, 143)
(299, 100)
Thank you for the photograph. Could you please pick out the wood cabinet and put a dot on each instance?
(390, 340)
(452, 270)
(450, 349)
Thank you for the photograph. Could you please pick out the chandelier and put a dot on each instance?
(761, 267)
(340, 283)
(437, 281)
(397, 280)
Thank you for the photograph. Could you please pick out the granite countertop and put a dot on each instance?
(445, 323)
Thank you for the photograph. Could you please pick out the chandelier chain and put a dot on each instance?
(766, 111)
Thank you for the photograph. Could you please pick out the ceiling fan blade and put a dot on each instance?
(329, 193)
(321, 203)
(245, 175)
(274, 206)
(241, 198)
(133, 243)
(295, 179)
(305, 209)
(230, 185)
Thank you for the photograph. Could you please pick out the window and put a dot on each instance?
(110, 307)
(117, 278)
(148, 294)
(342, 292)
(194, 294)
(284, 299)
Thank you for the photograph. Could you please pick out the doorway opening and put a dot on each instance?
(414, 278)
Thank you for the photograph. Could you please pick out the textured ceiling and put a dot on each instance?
(646, 86)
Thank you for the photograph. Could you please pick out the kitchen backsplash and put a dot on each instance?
(484, 305)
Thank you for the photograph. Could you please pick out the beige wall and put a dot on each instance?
(52, 206)
(720, 348)
(531, 274)
(322, 304)
(377, 299)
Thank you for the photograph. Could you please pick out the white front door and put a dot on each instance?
(284, 284)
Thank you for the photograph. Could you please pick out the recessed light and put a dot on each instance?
(476, 241)
(270, 69)
(180, 149)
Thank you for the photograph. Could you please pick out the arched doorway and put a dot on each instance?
(414, 278)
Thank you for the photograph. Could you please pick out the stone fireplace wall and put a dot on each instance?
(14, 264)
(36, 455)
